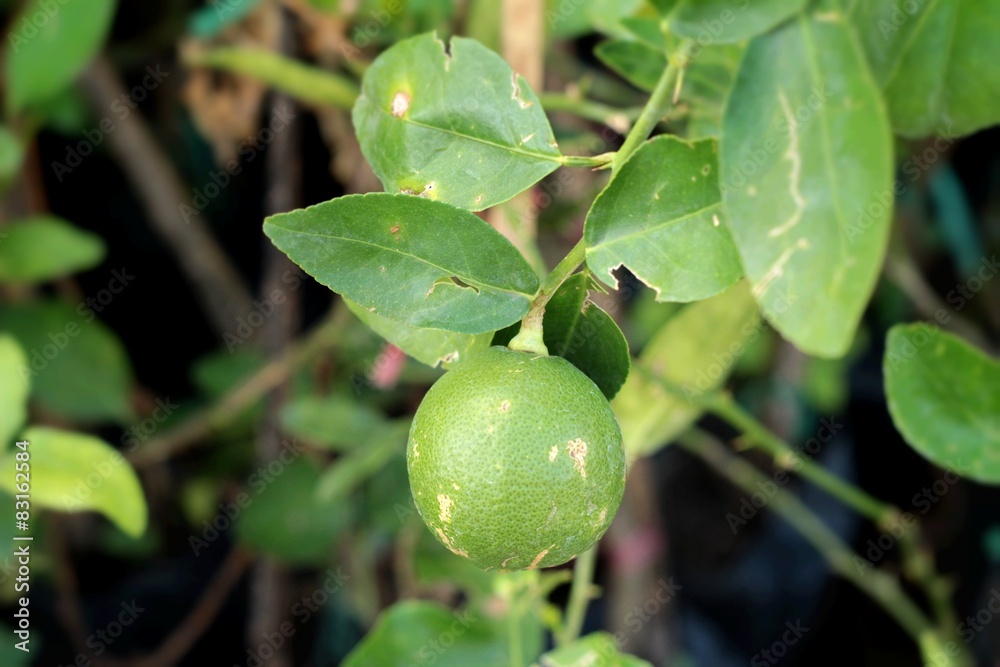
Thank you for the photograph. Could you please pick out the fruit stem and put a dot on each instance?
(579, 596)
(530, 338)
(660, 101)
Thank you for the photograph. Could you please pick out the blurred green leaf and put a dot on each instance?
(14, 390)
(636, 62)
(303, 82)
(386, 252)
(73, 472)
(458, 126)
(725, 21)
(577, 330)
(79, 368)
(806, 152)
(433, 347)
(415, 632)
(45, 247)
(707, 82)
(944, 397)
(334, 422)
(11, 157)
(14, 657)
(349, 471)
(935, 61)
(208, 21)
(594, 650)
(283, 516)
(646, 30)
(695, 351)
(49, 44)
(661, 217)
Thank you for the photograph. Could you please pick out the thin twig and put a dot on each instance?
(218, 286)
(579, 596)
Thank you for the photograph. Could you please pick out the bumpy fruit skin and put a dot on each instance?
(516, 460)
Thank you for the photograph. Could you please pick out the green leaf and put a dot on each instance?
(349, 471)
(301, 81)
(661, 217)
(944, 397)
(10, 656)
(77, 366)
(433, 347)
(936, 62)
(73, 472)
(636, 62)
(594, 650)
(707, 82)
(333, 422)
(807, 173)
(11, 157)
(283, 517)
(208, 21)
(646, 30)
(695, 351)
(460, 127)
(45, 247)
(49, 44)
(410, 632)
(577, 330)
(14, 390)
(726, 21)
(421, 262)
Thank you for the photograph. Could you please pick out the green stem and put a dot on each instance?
(656, 108)
(514, 641)
(529, 338)
(602, 160)
(879, 586)
(579, 596)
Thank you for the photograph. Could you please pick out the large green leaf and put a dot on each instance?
(577, 330)
(433, 347)
(76, 365)
(595, 650)
(458, 126)
(417, 632)
(14, 389)
(45, 247)
(944, 397)
(807, 172)
(414, 260)
(694, 351)
(334, 422)
(49, 44)
(661, 216)
(74, 472)
(282, 516)
(304, 82)
(936, 61)
(726, 21)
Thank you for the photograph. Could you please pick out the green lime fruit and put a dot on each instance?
(516, 460)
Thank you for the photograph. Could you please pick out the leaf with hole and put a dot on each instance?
(806, 162)
(74, 472)
(433, 347)
(661, 217)
(935, 61)
(944, 397)
(420, 262)
(452, 123)
(694, 351)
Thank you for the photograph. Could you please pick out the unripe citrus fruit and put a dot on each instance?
(516, 460)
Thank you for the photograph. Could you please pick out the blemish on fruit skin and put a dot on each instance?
(400, 104)
(444, 538)
(505, 406)
(444, 508)
(539, 557)
(577, 450)
(554, 452)
(507, 560)
(416, 453)
(602, 516)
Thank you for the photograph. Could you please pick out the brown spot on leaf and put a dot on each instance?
(400, 104)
